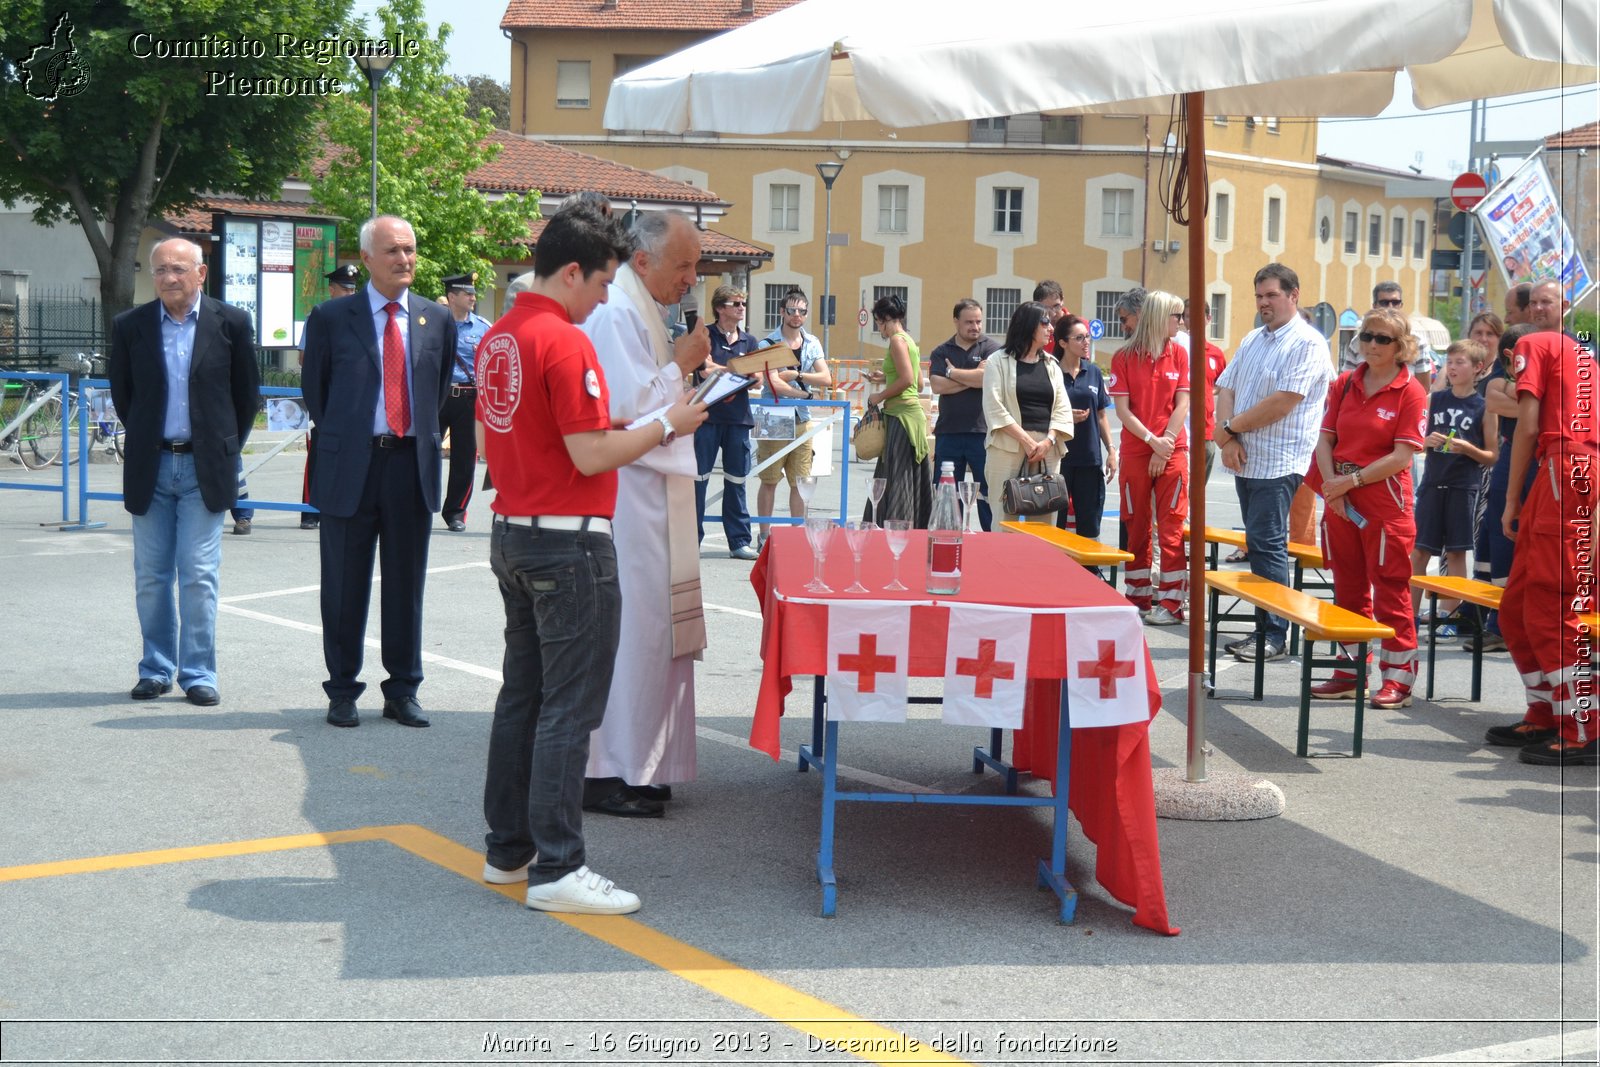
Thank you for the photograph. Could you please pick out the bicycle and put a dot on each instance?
(30, 422)
(105, 428)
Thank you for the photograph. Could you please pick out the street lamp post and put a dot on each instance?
(376, 68)
(829, 172)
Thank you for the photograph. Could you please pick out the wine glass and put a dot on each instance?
(968, 492)
(898, 534)
(819, 531)
(879, 487)
(855, 534)
(806, 486)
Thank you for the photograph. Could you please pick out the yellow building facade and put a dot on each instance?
(983, 209)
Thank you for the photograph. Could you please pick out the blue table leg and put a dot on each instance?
(814, 753)
(1053, 874)
(993, 760)
(830, 791)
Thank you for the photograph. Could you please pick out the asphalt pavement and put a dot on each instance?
(246, 884)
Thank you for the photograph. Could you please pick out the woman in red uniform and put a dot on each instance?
(1377, 420)
(1149, 383)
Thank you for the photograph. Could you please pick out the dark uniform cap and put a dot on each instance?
(467, 283)
(349, 274)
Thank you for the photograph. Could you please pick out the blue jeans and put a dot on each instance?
(177, 543)
(1086, 488)
(1265, 504)
(563, 617)
(734, 444)
(966, 451)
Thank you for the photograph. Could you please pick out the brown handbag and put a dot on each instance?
(1036, 493)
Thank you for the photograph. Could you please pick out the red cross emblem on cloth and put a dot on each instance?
(984, 669)
(866, 663)
(1108, 668)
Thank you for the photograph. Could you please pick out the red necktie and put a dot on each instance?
(395, 402)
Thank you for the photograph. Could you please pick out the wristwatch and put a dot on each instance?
(668, 434)
(1227, 427)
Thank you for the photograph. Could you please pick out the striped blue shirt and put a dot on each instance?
(1293, 358)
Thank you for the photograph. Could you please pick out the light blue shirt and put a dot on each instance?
(380, 322)
(810, 355)
(468, 334)
(1293, 358)
(177, 351)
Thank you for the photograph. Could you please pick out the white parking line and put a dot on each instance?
(1557, 1048)
(296, 590)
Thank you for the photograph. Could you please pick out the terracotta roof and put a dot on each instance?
(1373, 168)
(525, 164)
(1578, 137)
(710, 16)
(713, 244)
(197, 217)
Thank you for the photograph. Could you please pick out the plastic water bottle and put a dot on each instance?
(944, 536)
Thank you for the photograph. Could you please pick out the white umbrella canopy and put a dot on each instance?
(909, 63)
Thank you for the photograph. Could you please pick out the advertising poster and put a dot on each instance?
(241, 274)
(315, 254)
(1521, 219)
(277, 284)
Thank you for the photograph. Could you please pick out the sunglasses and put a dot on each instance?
(735, 304)
(1390, 303)
(796, 311)
(1376, 338)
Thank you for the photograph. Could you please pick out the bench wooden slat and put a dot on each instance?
(1307, 555)
(1084, 550)
(1325, 621)
(1469, 589)
(1590, 620)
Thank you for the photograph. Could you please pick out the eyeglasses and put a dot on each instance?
(796, 311)
(1076, 337)
(172, 272)
(1393, 302)
(1375, 338)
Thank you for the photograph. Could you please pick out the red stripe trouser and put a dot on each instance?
(1372, 577)
(1552, 580)
(1168, 494)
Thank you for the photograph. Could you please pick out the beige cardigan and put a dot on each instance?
(1000, 401)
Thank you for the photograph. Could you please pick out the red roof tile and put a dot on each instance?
(197, 217)
(712, 16)
(525, 164)
(1577, 137)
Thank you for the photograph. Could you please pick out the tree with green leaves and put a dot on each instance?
(428, 145)
(486, 94)
(103, 125)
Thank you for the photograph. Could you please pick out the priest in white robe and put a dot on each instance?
(647, 741)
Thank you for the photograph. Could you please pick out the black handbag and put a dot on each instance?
(1038, 493)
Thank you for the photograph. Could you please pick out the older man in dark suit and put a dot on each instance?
(186, 387)
(376, 374)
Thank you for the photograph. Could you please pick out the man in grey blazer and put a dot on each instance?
(376, 374)
(186, 387)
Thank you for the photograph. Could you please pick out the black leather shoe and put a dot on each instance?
(611, 796)
(149, 689)
(310, 522)
(653, 792)
(456, 525)
(204, 696)
(405, 711)
(342, 712)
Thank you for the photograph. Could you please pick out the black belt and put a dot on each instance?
(177, 448)
(390, 440)
(457, 389)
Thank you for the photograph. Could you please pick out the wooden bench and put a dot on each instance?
(1083, 550)
(1306, 557)
(1473, 592)
(1320, 620)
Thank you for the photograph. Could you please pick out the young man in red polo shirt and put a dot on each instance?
(544, 419)
(1553, 573)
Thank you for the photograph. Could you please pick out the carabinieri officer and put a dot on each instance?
(461, 296)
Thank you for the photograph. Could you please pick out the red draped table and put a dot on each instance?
(1107, 768)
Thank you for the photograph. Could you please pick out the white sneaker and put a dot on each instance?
(743, 552)
(495, 876)
(1160, 616)
(583, 892)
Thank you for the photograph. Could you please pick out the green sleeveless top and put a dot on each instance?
(906, 404)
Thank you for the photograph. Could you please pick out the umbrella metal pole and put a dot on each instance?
(1199, 198)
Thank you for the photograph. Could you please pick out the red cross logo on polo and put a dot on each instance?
(984, 670)
(986, 666)
(866, 664)
(869, 648)
(1108, 668)
(499, 382)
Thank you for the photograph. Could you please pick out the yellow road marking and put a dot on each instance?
(748, 989)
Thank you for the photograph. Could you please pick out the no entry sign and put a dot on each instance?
(1467, 190)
